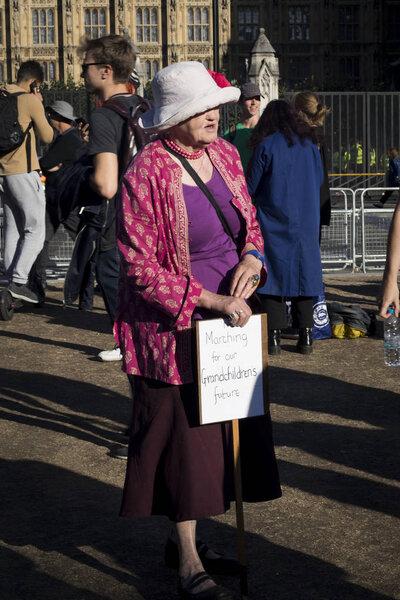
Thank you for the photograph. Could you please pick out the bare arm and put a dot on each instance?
(41, 124)
(389, 293)
(104, 179)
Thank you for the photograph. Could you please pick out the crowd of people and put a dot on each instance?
(188, 227)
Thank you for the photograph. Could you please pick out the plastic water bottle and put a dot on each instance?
(391, 336)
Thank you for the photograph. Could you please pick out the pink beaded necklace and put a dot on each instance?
(179, 150)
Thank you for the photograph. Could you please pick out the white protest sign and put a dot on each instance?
(232, 365)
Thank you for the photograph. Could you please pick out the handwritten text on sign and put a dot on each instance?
(230, 364)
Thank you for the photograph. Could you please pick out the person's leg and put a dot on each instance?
(275, 308)
(107, 274)
(302, 310)
(86, 293)
(385, 196)
(189, 561)
(29, 202)
(38, 277)
(13, 228)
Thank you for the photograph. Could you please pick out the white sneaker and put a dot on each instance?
(109, 355)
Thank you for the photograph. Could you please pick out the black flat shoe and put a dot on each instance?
(304, 345)
(274, 341)
(215, 592)
(222, 565)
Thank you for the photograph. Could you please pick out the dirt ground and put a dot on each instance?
(333, 535)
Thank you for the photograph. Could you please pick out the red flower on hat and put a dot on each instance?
(219, 79)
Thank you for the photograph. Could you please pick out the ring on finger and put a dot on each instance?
(254, 280)
(232, 315)
(238, 312)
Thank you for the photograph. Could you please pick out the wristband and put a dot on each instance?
(257, 254)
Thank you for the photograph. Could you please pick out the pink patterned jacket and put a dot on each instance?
(157, 292)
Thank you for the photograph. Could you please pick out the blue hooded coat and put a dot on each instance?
(284, 182)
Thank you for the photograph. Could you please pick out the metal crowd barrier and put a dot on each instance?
(375, 223)
(355, 240)
(338, 239)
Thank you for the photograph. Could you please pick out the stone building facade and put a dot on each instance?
(163, 31)
(346, 42)
(337, 43)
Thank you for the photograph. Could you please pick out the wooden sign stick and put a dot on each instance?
(239, 510)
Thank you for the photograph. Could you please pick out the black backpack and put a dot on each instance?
(11, 133)
(134, 137)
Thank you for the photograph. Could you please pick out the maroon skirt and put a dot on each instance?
(184, 470)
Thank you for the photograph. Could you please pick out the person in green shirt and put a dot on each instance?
(240, 133)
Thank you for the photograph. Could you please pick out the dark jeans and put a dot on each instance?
(107, 273)
(275, 307)
(71, 225)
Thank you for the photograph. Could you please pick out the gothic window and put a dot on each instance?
(1, 72)
(198, 24)
(150, 69)
(299, 23)
(248, 23)
(1, 26)
(95, 22)
(44, 69)
(206, 63)
(52, 71)
(147, 70)
(299, 68)
(349, 68)
(393, 24)
(49, 70)
(43, 26)
(349, 23)
(147, 25)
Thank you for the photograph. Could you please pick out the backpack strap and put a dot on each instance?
(28, 145)
(134, 136)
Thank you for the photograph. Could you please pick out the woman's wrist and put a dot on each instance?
(257, 255)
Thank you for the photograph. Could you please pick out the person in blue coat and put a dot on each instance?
(392, 176)
(284, 180)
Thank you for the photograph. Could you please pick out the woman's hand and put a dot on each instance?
(242, 285)
(236, 309)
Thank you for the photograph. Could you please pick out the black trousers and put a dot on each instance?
(107, 274)
(275, 307)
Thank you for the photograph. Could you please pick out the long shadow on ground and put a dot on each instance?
(56, 510)
(26, 396)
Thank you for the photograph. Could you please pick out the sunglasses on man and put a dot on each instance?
(84, 66)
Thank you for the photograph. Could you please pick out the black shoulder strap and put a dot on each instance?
(204, 189)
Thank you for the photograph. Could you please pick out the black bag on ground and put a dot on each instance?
(11, 133)
(350, 321)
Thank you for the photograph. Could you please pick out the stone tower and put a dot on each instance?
(264, 68)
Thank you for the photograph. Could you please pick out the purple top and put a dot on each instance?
(213, 255)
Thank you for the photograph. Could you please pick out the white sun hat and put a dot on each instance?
(182, 91)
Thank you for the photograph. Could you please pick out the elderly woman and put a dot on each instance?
(180, 262)
(284, 179)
